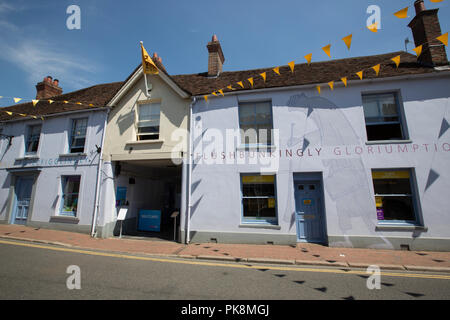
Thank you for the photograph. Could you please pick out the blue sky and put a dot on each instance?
(35, 42)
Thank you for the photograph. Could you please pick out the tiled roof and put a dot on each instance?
(318, 72)
(98, 95)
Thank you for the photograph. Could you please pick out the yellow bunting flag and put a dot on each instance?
(443, 38)
(206, 98)
(308, 58)
(348, 40)
(377, 69)
(9, 112)
(436, 1)
(402, 14)
(230, 87)
(360, 74)
(221, 92)
(344, 80)
(263, 75)
(331, 84)
(65, 101)
(34, 117)
(78, 103)
(277, 70)
(17, 99)
(214, 93)
(241, 84)
(22, 114)
(373, 27)
(251, 81)
(42, 118)
(291, 65)
(418, 50)
(34, 102)
(327, 50)
(50, 101)
(91, 105)
(396, 60)
(318, 89)
(148, 65)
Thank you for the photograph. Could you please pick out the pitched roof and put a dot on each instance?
(317, 72)
(98, 95)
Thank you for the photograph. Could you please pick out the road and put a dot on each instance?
(35, 271)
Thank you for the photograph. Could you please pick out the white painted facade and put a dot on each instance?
(48, 167)
(337, 149)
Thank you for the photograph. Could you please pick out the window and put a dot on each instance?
(394, 196)
(32, 141)
(258, 198)
(383, 120)
(255, 122)
(78, 135)
(148, 121)
(71, 188)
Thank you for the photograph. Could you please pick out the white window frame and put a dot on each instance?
(156, 118)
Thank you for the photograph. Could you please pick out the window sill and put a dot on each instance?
(30, 157)
(144, 142)
(393, 227)
(388, 142)
(260, 226)
(76, 154)
(64, 219)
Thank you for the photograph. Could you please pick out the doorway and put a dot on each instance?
(23, 189)
(309, 210)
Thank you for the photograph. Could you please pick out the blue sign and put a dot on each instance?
(149, 220)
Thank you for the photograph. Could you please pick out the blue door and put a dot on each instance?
(308, 212)
(23, 189)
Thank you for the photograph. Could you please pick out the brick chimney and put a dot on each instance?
(425, 28)
(216, 57)
(48, 88)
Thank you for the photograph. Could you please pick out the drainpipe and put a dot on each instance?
(99, 175)
(188, 216)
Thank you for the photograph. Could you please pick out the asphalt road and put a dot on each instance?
(32, 271)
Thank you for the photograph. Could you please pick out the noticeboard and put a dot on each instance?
(149, 220)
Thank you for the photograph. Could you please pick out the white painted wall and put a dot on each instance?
(349, 195)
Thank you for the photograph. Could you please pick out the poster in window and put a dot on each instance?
(271, 203)
(380, 214)
(121, 196)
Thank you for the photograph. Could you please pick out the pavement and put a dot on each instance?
(301, 254)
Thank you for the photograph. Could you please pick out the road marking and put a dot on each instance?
(213, 264)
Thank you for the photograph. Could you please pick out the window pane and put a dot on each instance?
(396, 208)
(258, 208)
(246, 113)
(32, 142)
(149, 111)
(370, 106)
(388, 104)
(265, 134)
(148, 130)
(249, 134)
(384, 132)
(71, 187)
(263, 113)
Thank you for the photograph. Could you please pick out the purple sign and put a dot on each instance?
(380, 214)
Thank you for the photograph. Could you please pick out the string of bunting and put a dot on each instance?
(401, 14)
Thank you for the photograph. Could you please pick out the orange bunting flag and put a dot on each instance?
(206, 98)
(327, 50)
(34, 102)
(377, 69)
(221, 92)
(308, 58)
(402, 14)
(331, 84)
(360, 74)
(318, 89)
(373, 27)
(277, 70)
(241, 84)
(251, 81)
(443, 39)
(348, 41)
(396, 60)
(344, 80)
(78, 103)
(66, 101)
(17, 99)
(291, 65)
(50, 101)
(436, 1)
(418, 50)
(263, 75)
(230, 87)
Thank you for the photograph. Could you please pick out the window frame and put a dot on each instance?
(157, 134)
(64, 181)
(257, 144)
(262, 221)
(27, 139)
(71, 136)
(414, 199)
(400, 114)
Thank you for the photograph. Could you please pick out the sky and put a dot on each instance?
(35, 41)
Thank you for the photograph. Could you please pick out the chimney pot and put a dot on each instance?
(420, 6)
(155, 55)
(55, 82)
(48, 88)
(215, 58)
(214, 38)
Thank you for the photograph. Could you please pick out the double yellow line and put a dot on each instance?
(227, 265)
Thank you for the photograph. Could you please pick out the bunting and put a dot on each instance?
(318, 89)
(277, 70)
(348, 40)
(344, 80)
(360, 74)
(418, 50)
(34, 102)
(396, 60)
(206, 98)
(308, 58)
(443, 38)
(17, 100)
(292, 65)
(263, 75)
(241, 84)
(402, 14)
(331, 85)
(251, 81)
(221, 92)
(373, 27)
(377, 69)
(230, 87)
(327, 50)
